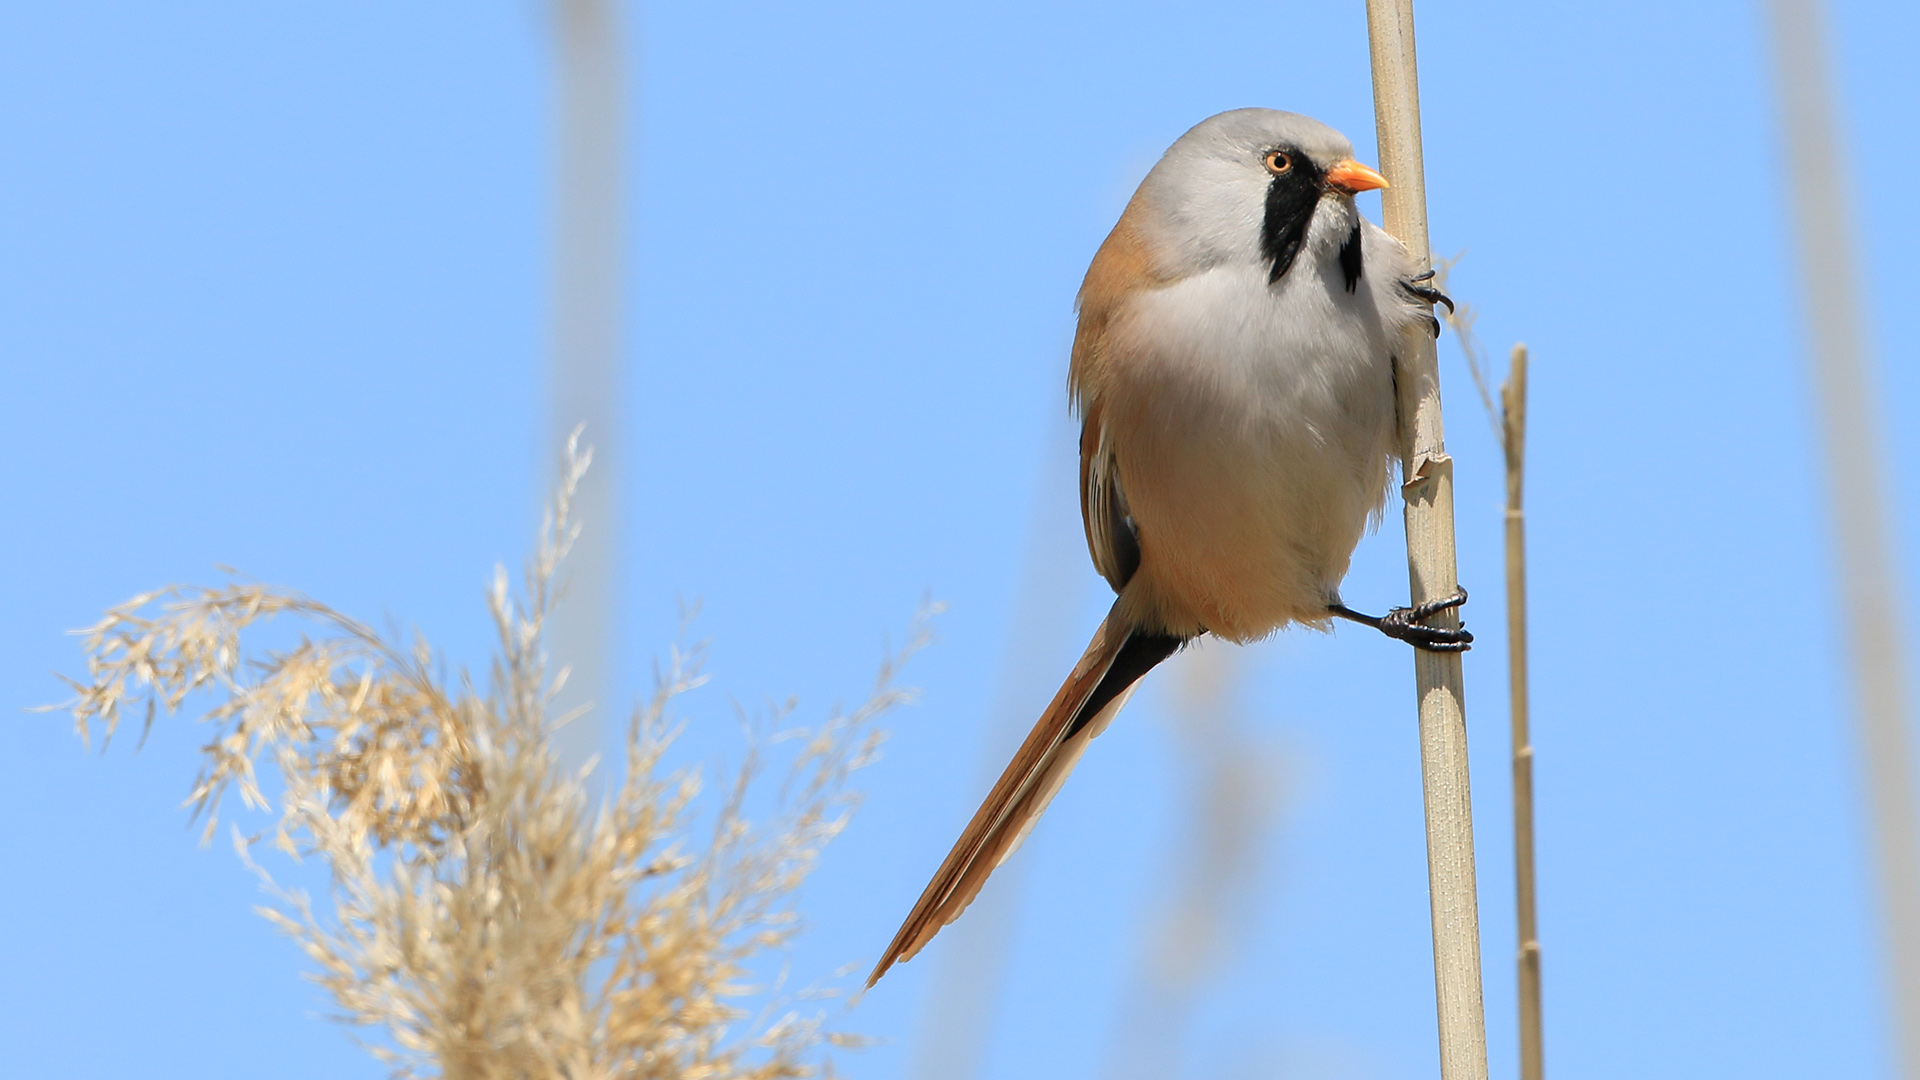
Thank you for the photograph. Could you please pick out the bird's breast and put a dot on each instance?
(1251, 425)
(1228, 352)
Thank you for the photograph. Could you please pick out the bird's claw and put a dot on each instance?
(1427, 294)
(1405, 623)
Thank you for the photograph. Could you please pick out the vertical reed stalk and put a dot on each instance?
(584, 381)
(1870, 586)
(1513, 439)
(1428, 491)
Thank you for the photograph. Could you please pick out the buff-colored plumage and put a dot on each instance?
(1238, 429)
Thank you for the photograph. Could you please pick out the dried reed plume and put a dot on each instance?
(484, 915)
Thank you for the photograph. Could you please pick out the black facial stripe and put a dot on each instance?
(1350, 258)
(1291, 201)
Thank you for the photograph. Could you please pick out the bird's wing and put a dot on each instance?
(1111, 538)
(1017, 799)
(1118, 655)
(1120, 270)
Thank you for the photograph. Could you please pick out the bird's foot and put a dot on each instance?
(1416, 288)
(1406, 624)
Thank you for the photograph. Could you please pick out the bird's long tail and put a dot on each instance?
(1087, 702)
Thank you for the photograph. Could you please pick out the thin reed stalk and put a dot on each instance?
(1513, 439)
(1509, 420)
(1428, 490)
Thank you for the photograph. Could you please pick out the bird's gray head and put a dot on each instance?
(1245, 185)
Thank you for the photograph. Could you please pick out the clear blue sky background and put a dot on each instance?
(272, 294)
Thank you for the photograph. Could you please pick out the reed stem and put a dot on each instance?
(1513, 439)
(1869, 575)
(585, 382)
(1428, 491)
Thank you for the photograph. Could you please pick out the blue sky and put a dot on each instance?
(272, 295)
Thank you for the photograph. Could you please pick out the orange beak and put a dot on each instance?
(1352, 177)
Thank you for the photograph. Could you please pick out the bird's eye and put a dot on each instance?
(1279, 162)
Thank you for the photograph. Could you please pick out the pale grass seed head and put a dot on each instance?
(482, 911)
(1460, 319)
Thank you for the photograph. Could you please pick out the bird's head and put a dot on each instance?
(1246, 185)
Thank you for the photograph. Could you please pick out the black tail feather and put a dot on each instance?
(1142, 652)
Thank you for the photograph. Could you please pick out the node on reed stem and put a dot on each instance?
(1428, 489)
(1509, 420)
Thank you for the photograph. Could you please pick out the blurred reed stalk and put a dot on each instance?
(1428, 491)
(969, 977)
(1231, 805)
(1870, 583)
(1513, 440)
(585, 386)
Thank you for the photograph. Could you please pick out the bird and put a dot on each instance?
(1233, 373)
